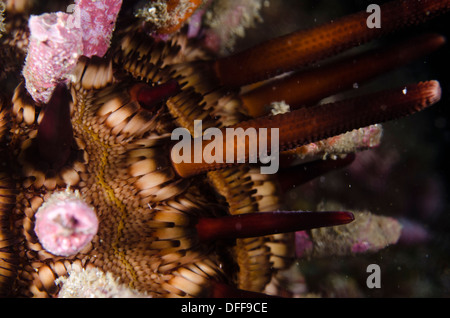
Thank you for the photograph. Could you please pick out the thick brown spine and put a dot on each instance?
(301, 48)
(306, 125)
(308, 87)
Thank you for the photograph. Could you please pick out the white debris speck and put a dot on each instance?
(94, 283)
(277, 108)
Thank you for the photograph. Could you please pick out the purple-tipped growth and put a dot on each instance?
(150, 97)
(267, 223)
(65, 224)
(55, 133)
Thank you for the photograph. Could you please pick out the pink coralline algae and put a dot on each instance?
(350, 142)
(53, 52)
(97, 20)
(58, 39)
(227, 20)
(65, 224)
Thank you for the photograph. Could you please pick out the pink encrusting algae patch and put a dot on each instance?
(52, 54)
(65, 224)
(58, 39)
(97, 20)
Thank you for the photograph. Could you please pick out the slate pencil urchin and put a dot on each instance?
(183, 229)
